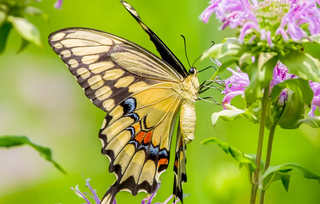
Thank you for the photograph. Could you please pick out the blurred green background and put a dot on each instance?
(41, 99)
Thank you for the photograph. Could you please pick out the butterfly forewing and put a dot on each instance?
(109, 68)
(164, 51)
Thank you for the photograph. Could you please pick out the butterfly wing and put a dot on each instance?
(136, 137)
(180, 173)
(140, 93)
(107, 67)
(164, 51)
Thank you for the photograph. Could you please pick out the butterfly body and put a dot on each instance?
(141, 94)
(188, 112)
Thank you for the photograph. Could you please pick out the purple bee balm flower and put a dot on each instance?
(85, 195)
(316, 98)
(58, 4)
(267, 18)
(237, 83)
(280, 74)
(96, 199)
(234, 86)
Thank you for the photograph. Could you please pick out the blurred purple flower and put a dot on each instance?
(58, 4)
(96, 199)
(267, 18)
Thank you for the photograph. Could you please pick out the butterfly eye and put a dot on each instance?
(191, 70)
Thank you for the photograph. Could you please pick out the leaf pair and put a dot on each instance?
(273, 173)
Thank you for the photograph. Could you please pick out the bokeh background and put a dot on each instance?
(41, 99)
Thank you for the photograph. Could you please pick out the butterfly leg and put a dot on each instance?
(209, 97)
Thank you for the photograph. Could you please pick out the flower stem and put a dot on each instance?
(268, 158)
(255, 181)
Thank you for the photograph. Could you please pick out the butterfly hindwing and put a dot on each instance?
(180, 174)
(136, 136)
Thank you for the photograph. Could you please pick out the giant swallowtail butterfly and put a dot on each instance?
(142, 95)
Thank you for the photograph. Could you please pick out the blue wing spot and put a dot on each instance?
(134, 116)
(129, 105)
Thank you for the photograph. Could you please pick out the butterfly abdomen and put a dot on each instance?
(188, 121)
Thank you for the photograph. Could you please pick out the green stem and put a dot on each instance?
(255, 181)
(268, 158)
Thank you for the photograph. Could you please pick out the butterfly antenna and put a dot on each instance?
(207, 68)
(185, 49)
(201, 55)
(196, 60)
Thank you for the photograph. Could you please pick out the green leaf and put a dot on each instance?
(223, 67)
(247, 160)
(303, 65)
(285, 179)
(292, 113)
(234, 152)
(233, 114)
(14, 141)
(4, 33)
(24, 44)
(33, 11)
(300, 87)
(260, 74)
(26, 29)
(314, 38)
(230, 46)
(312, 121)
(3, 17)
(283, 172)
(245, 57)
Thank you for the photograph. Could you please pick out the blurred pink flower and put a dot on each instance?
(58, 4)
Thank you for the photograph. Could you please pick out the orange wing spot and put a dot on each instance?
(148, 137)
(180, 143)
(136, 127)
(176, 163)
(140, 136)
(162, 162)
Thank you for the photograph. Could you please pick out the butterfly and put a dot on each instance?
(142, 95)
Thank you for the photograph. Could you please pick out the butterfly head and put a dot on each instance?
(193, 70)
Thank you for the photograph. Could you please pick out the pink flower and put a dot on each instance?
(267, 18)
(237, 83)
(96, 199)
(58, 4)
(316, 98)
(234, 86)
